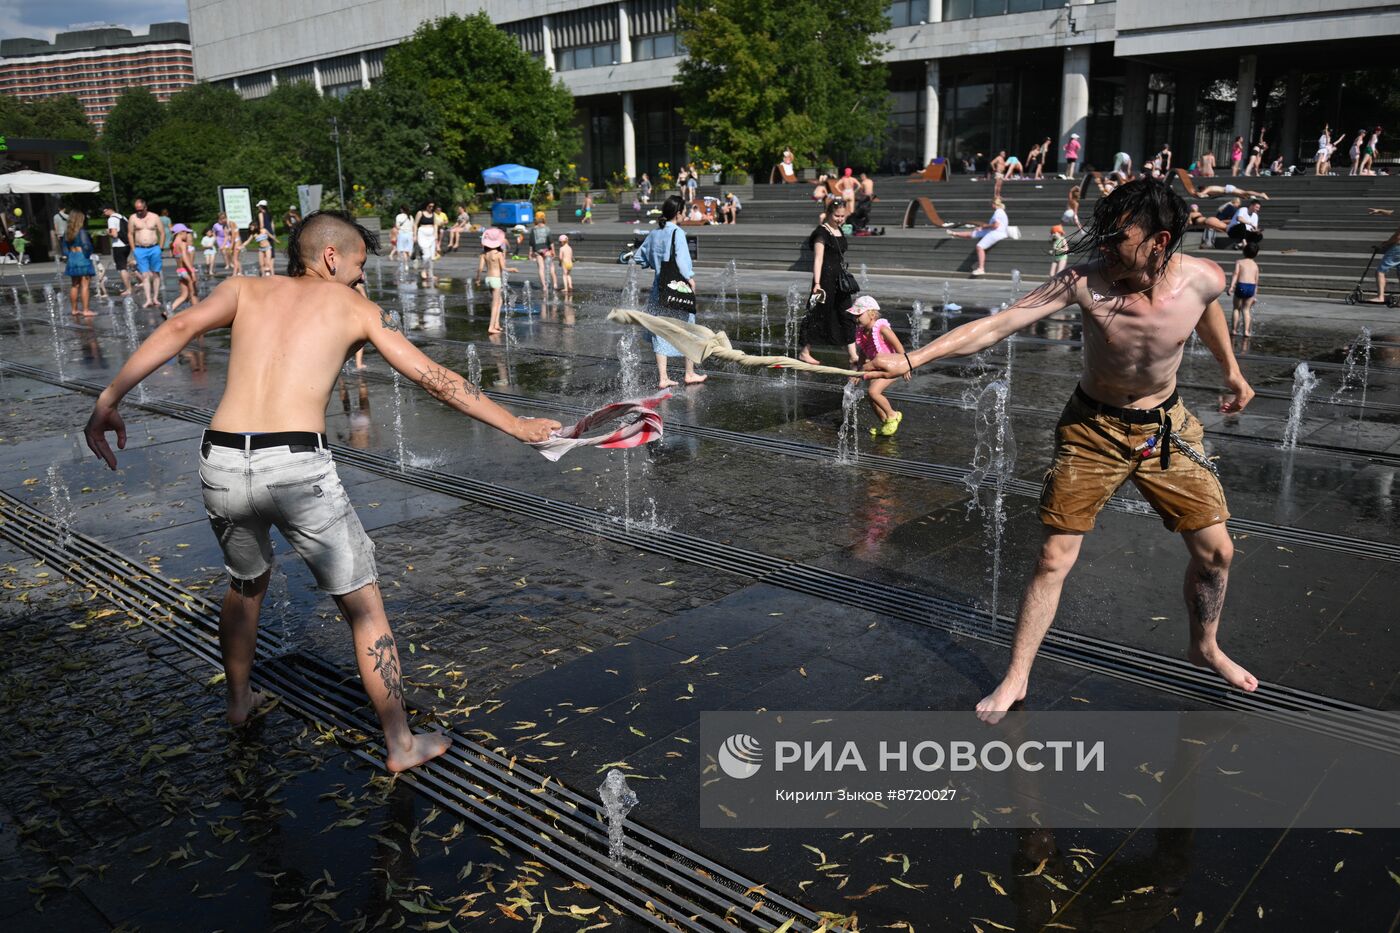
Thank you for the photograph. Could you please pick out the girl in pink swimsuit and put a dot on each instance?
(874, 336)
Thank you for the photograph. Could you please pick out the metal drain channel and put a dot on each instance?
(1140, 666)
(465, 781)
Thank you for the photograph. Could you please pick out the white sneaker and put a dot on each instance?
(976, 272)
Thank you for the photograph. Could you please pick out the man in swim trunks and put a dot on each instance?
(264, 459)
(147, 233)
(1140, 299)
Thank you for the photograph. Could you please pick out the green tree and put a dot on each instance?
(134, 116)
(391, 148)
(764, 74)
(60, 117)
(493, 102)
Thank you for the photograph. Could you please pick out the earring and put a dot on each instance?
(332, 270)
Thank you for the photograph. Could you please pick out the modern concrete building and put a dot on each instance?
(95, 65)
(967, 76)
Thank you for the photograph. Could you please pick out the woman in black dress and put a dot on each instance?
(827, 321)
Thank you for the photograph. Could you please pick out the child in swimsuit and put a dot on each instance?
(491, 269)
(182, 247)
(874, 336)
(1244, 285)
(207, 242)
(566, 261)
(256, 234)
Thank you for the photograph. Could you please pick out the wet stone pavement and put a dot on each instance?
(125, 802)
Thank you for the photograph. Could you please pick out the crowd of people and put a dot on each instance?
(140, 243)
(1245, 159)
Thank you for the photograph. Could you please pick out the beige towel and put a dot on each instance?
(699, 343)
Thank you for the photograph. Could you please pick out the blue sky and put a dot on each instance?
(41, 20)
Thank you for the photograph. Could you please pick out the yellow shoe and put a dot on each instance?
(891, 426)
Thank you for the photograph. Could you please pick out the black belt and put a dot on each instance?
(296, 441)
(1130, 415)
(1161, 442)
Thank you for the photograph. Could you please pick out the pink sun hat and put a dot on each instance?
(493, 238)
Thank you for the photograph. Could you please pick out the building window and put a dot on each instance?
(907, 12)
(664, 45)
(339, 91)
(586, 56)
(967, 9)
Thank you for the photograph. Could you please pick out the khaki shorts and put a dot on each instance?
(245, 494)
(1096, 452)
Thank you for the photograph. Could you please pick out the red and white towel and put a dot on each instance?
(642, 425)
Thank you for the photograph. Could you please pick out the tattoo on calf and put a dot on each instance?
(1209, 597)
(386, 662)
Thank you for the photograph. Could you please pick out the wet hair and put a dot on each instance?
(671, 207)
(320, 229)
(1250, 250)
(1148, 203)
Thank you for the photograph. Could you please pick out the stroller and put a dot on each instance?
(1357, 296)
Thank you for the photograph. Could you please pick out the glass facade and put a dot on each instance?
(988, 110)
(664, 45)
(905, 139)
(586, 56)
(968, 9)
(907, 12)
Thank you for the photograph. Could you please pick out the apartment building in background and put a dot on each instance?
(95, 65)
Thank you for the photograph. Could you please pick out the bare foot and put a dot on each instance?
(666, 383)
(239, 712)
(998, 703)
(806, 357)
(694, 379)
(494, 330)
(1220, 662)
(89, 313)
(423, 747)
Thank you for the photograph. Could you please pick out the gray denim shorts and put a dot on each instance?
(246, 493)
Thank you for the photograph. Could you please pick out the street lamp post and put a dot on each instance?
(340, 177)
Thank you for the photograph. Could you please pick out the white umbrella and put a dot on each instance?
(27, 182)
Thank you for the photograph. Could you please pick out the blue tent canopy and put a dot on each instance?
(510, 174)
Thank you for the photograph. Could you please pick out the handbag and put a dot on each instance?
(676, 296)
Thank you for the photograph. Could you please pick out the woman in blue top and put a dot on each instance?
(654, 253)
(77, 247)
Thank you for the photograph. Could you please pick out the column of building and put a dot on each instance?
(1244, 96)
(1133, 137)
(1074, 90)
(629, 127)
(933, 91)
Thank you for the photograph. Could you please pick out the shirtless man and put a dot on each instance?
(147, 234)
(290, 336)
(846, 187)
(1140, 300)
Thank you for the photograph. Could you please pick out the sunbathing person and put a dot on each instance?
(1216, 191)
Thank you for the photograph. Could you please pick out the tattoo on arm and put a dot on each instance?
(389, 320)
(445, 386)
(386, 662)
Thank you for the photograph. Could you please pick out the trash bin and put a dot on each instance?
(509, 213)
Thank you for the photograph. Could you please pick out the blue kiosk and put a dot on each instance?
(510, 213)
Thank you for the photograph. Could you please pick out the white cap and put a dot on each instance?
(1073, 135)
(262, 204)
(863, 304)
